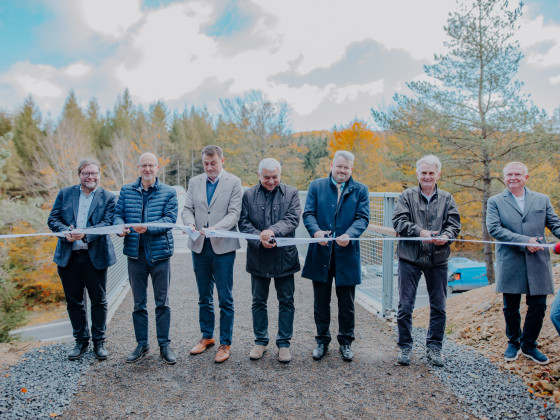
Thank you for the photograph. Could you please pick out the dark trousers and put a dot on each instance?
(436, 283)
(80, 274)
(285, 294)
(138, 272)
(322, 309)
(536, 308)
(209, 269)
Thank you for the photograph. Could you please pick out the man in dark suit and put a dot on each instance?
(520, 215)
(83, 259)
(338, 206)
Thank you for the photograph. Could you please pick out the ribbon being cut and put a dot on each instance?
(209, 233)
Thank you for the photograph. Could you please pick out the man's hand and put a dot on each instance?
(440, 240)
(534, 240)
(342, 240)
(140, 229)
(266, 236)
(125, 231)
(432, 234)
(73, 237)
(203, 232)
(322, 234)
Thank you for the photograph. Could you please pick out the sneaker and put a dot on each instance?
(284, 355)
(404, 356)
(257, 352)
(435, 356)
(535, 355)
(511, 353)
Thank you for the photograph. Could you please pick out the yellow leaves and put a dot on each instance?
(24, 390)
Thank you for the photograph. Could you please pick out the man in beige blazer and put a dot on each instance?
(214, 202)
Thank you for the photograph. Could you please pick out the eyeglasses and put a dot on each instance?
(88, 174)
(147, 166)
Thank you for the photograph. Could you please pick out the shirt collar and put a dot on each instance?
(90, 194)
(342, 184)
(215, 179)
(425, 196)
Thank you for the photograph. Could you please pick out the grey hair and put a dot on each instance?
(270, 164)
(519, 164)
(212, 150)
(345, 155)
(88, 161)
(429, 160)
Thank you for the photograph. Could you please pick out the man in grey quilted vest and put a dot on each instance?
(148, 248)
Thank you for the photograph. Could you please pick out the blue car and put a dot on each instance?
(466, 276)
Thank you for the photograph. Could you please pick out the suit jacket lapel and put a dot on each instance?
(508, 198)
(529, 201)
(76, 203)
(94, 203)
(219, 187)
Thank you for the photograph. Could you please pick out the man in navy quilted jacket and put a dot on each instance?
(148, 248)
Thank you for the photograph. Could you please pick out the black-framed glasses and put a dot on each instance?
(88, 174)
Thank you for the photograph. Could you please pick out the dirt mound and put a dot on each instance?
(475, 319)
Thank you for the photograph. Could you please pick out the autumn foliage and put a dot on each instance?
(31, 268)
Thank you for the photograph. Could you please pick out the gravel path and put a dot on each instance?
(373, 386)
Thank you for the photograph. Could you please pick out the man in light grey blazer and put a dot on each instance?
(520, 215)
(214, 202)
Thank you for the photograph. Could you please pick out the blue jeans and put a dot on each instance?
(285, 294)
(138, 272)
(436, 283)
(555, 312)
(209, 269)
(536, 308)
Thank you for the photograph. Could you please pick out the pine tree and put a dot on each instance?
(471, 112)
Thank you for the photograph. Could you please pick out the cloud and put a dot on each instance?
(108, 17)
(540, 42)
(330, 60)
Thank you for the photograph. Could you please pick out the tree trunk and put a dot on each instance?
(488, 248)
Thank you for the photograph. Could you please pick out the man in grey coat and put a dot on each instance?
(520, 215)
(271, 210)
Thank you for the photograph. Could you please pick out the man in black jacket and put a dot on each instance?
(271, 209)
(428, 212)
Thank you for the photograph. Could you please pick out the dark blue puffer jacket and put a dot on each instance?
(162, 208)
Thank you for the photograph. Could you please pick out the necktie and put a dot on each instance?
(339, 191)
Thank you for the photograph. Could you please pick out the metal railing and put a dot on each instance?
(379, 264)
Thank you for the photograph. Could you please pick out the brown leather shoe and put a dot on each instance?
(223, 353)
(202, 345)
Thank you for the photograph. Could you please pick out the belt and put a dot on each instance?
(79, 251)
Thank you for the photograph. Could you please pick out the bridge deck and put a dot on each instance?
(372, 386)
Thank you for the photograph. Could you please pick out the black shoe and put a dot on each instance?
(346, 352)
(320, 351)
(100, 351)
(138, 353)
(78, 350)
(167, 355)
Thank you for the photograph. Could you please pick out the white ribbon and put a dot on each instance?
(212, 233)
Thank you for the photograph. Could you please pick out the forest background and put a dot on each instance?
(470, 113)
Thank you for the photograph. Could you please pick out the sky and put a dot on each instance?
(331, 61)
